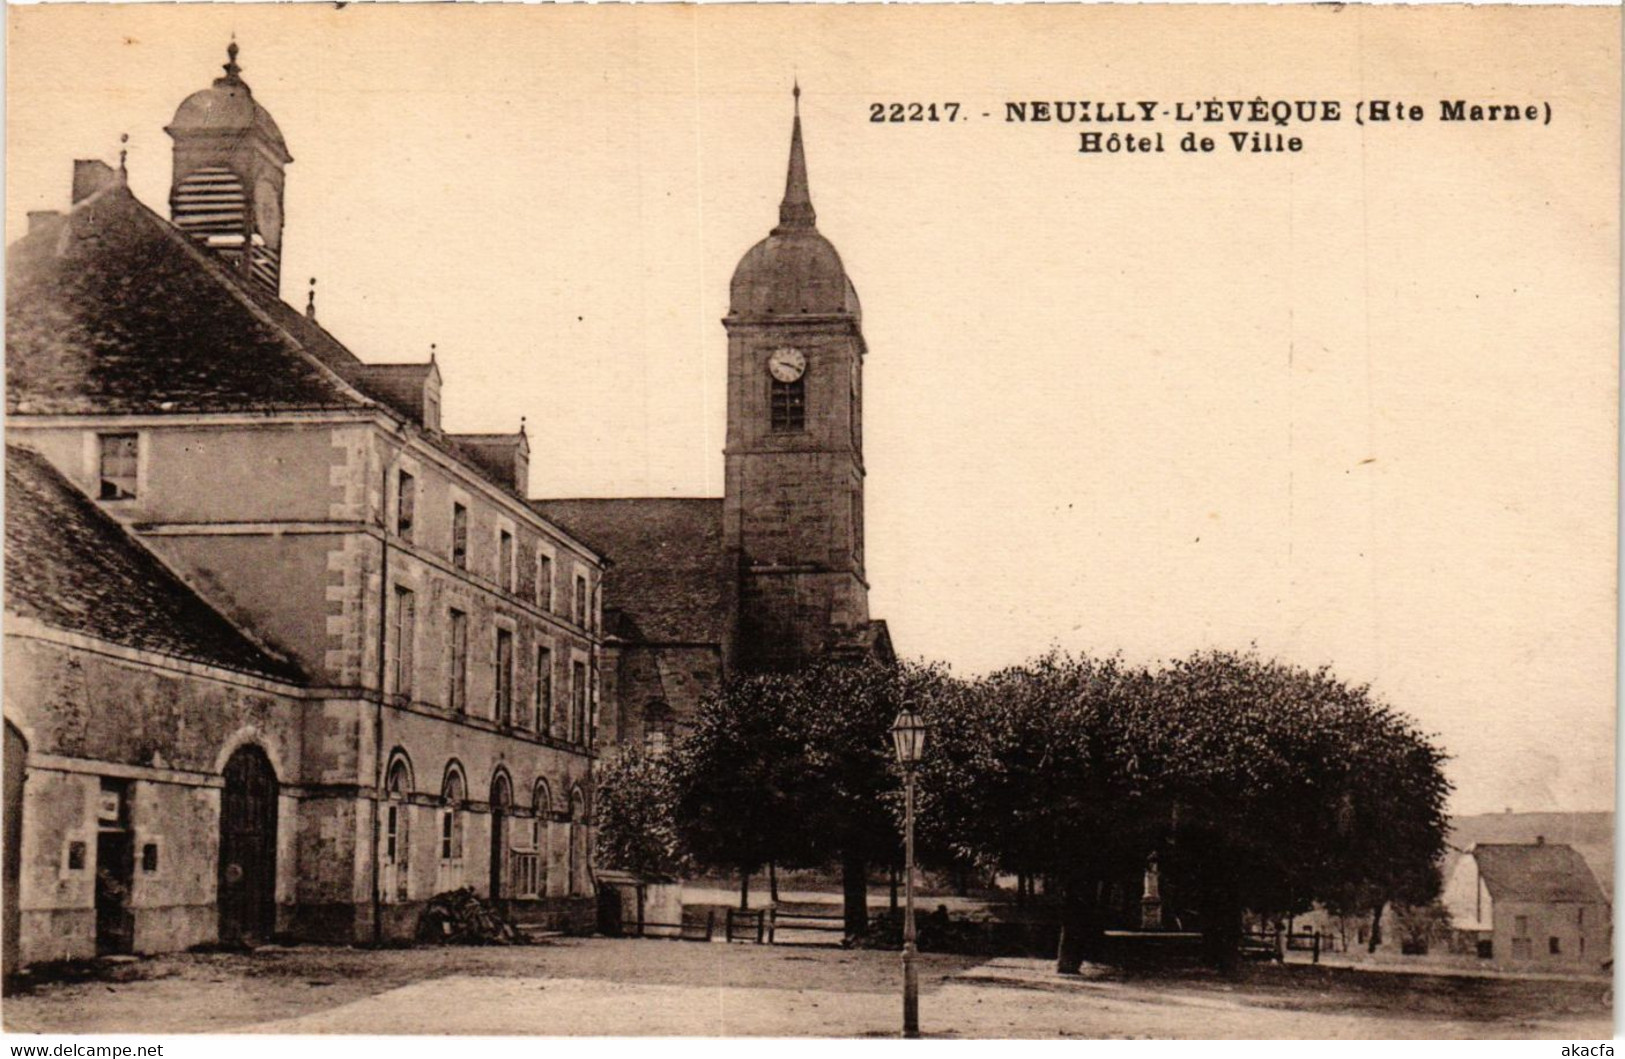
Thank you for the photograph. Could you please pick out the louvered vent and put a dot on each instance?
(211, 206)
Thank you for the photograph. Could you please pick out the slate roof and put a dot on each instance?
(1543, 873)
(110, 310)
(73, 567)
(1591, 834)
(668, 579)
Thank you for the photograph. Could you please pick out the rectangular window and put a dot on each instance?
(504, 711)
(402, 633)
(789, 405)
(544, 582)
(544, 690)
(457, 697)
(406, 498)
(149, 859)
(1554, 946)
(581, 600)
(119, 456)
(447, 827)
(459, 536)
(578, 702)
(1520, 926)
(392, 824)
(505, 560)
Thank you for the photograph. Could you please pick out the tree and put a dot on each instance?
(738, 779)
(637, 828)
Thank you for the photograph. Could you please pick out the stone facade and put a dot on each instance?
(277, 553)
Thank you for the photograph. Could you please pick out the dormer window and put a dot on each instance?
(119, 457)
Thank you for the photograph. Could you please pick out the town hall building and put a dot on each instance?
(285, 658)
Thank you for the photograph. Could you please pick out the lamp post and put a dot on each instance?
(908, 737)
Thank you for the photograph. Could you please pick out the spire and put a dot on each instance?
(796, 211)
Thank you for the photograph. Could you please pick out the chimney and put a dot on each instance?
(37, 218)
(1540, 840)
(91, 175)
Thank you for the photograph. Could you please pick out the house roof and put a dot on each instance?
(668, 579)
(73, 567)
(110, 310)
(1543, 872)
(1592, 834)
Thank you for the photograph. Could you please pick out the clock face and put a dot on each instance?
(787, 365)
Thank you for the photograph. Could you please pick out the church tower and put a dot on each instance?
(793, 496)
(226, 192)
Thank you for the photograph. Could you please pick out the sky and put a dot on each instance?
(1353, 405)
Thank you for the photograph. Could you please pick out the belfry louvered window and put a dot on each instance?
(789, 405)
(211, 205)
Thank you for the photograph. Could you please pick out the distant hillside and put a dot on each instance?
(1592, 834)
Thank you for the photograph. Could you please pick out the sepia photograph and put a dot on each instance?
(947, 521)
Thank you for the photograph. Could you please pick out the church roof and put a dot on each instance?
(668, 576)
(74, 568)
(228, 108)
(795, 270)
(1542, 872)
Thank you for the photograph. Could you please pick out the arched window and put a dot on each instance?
(453, 795)
(396, 869)
(501, 809)
(658, 728)
(789, 405)
(530, 861)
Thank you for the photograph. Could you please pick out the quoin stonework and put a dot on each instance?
(284, 658)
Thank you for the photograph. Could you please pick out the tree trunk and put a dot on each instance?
(1376, 930)
(1221, 929)
(855, 894)
(744, 888)
(1080, 926)
(773, 881)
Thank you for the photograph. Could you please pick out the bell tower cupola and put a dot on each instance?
(230, 161)
(793, 483)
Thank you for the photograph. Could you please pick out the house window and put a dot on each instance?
(76, 856)
(544, 690)
(578, 702)
(457, 698)
(789, 405)
(452, 793)
(149, 858)
(1554, 946)
(402, 633)
(406, 499)
(594, 613)
(544, 582)
(505, 560)
(504, 711)
(581, 600)
(459, 536)
(398, 835)
(119, 454)
(1520, 926)
(1580, 917)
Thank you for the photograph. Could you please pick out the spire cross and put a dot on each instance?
(310, 300)
(123, 154)
(231, 67)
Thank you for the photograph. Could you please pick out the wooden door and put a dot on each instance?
(248, 809)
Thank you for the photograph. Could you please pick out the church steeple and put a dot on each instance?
(796, 211)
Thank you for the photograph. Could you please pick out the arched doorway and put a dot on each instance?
(501, 807)
(16, 758)
(248, 809)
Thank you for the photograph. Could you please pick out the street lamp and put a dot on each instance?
(908, 736)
